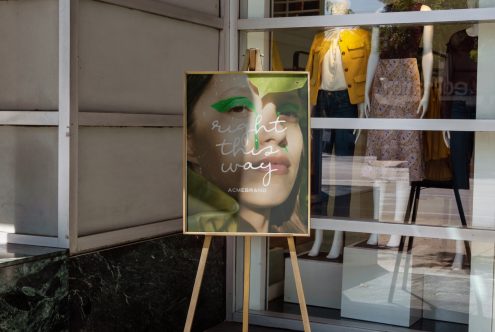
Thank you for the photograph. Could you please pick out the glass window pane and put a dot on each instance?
(385, 69)
(290, 8)
(382, 175)
(374, 180)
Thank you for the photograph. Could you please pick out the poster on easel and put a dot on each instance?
(246, 148)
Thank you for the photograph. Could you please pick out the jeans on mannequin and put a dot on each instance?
(461, 144)
(332, 104)
(461, 151)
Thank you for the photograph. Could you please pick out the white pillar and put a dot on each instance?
(481, 311)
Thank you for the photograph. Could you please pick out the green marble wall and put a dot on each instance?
(33, 295)
(144, 286)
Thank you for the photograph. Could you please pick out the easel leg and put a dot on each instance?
(247, 270)
(197, 283)
(412, 194)
(413, 220)
(299, 286)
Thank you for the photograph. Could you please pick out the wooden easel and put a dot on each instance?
(247, 269)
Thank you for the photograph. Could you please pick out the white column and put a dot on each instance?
(68, 124)
(482, 262)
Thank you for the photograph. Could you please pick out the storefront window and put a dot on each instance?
(402, 183)
(448, 64)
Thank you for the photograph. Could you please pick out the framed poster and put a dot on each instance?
(246, 153)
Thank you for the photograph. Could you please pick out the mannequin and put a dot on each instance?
(397, 94)
(459, 102)
(337, 65)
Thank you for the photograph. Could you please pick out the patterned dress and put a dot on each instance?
(396, 93)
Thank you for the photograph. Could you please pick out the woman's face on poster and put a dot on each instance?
(250, 146)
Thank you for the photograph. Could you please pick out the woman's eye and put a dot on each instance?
(239, 109)
(237, 104)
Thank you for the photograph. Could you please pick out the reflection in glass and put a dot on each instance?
(435, 185)
(337, 65)
(454, 67)
(419, 287)
(281, 8)
(380, 189)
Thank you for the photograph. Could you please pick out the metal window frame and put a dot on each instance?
(369, 19)
(228, 61)
(404, 124)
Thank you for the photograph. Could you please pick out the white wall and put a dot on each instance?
(28, 180)
(128, 177)
(482, 263)
(131, 61)
(28, 81)
(29, 55)
(205, 6)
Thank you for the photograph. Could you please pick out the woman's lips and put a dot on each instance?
(279, 169)
(275, 164)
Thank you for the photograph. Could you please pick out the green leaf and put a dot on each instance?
(274, 83)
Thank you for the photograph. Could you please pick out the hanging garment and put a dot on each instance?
(459, 101)
(396, 93)
(354, 45)
(461, 71)
(341, 51)
(332, 68)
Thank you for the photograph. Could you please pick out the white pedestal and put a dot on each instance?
(446, 296)
(370, 292)
(321, 278)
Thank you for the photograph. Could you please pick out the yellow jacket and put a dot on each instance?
(355, 47)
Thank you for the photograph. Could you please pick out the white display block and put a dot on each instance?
(371, 290)
(446, 296)
(321, 279)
